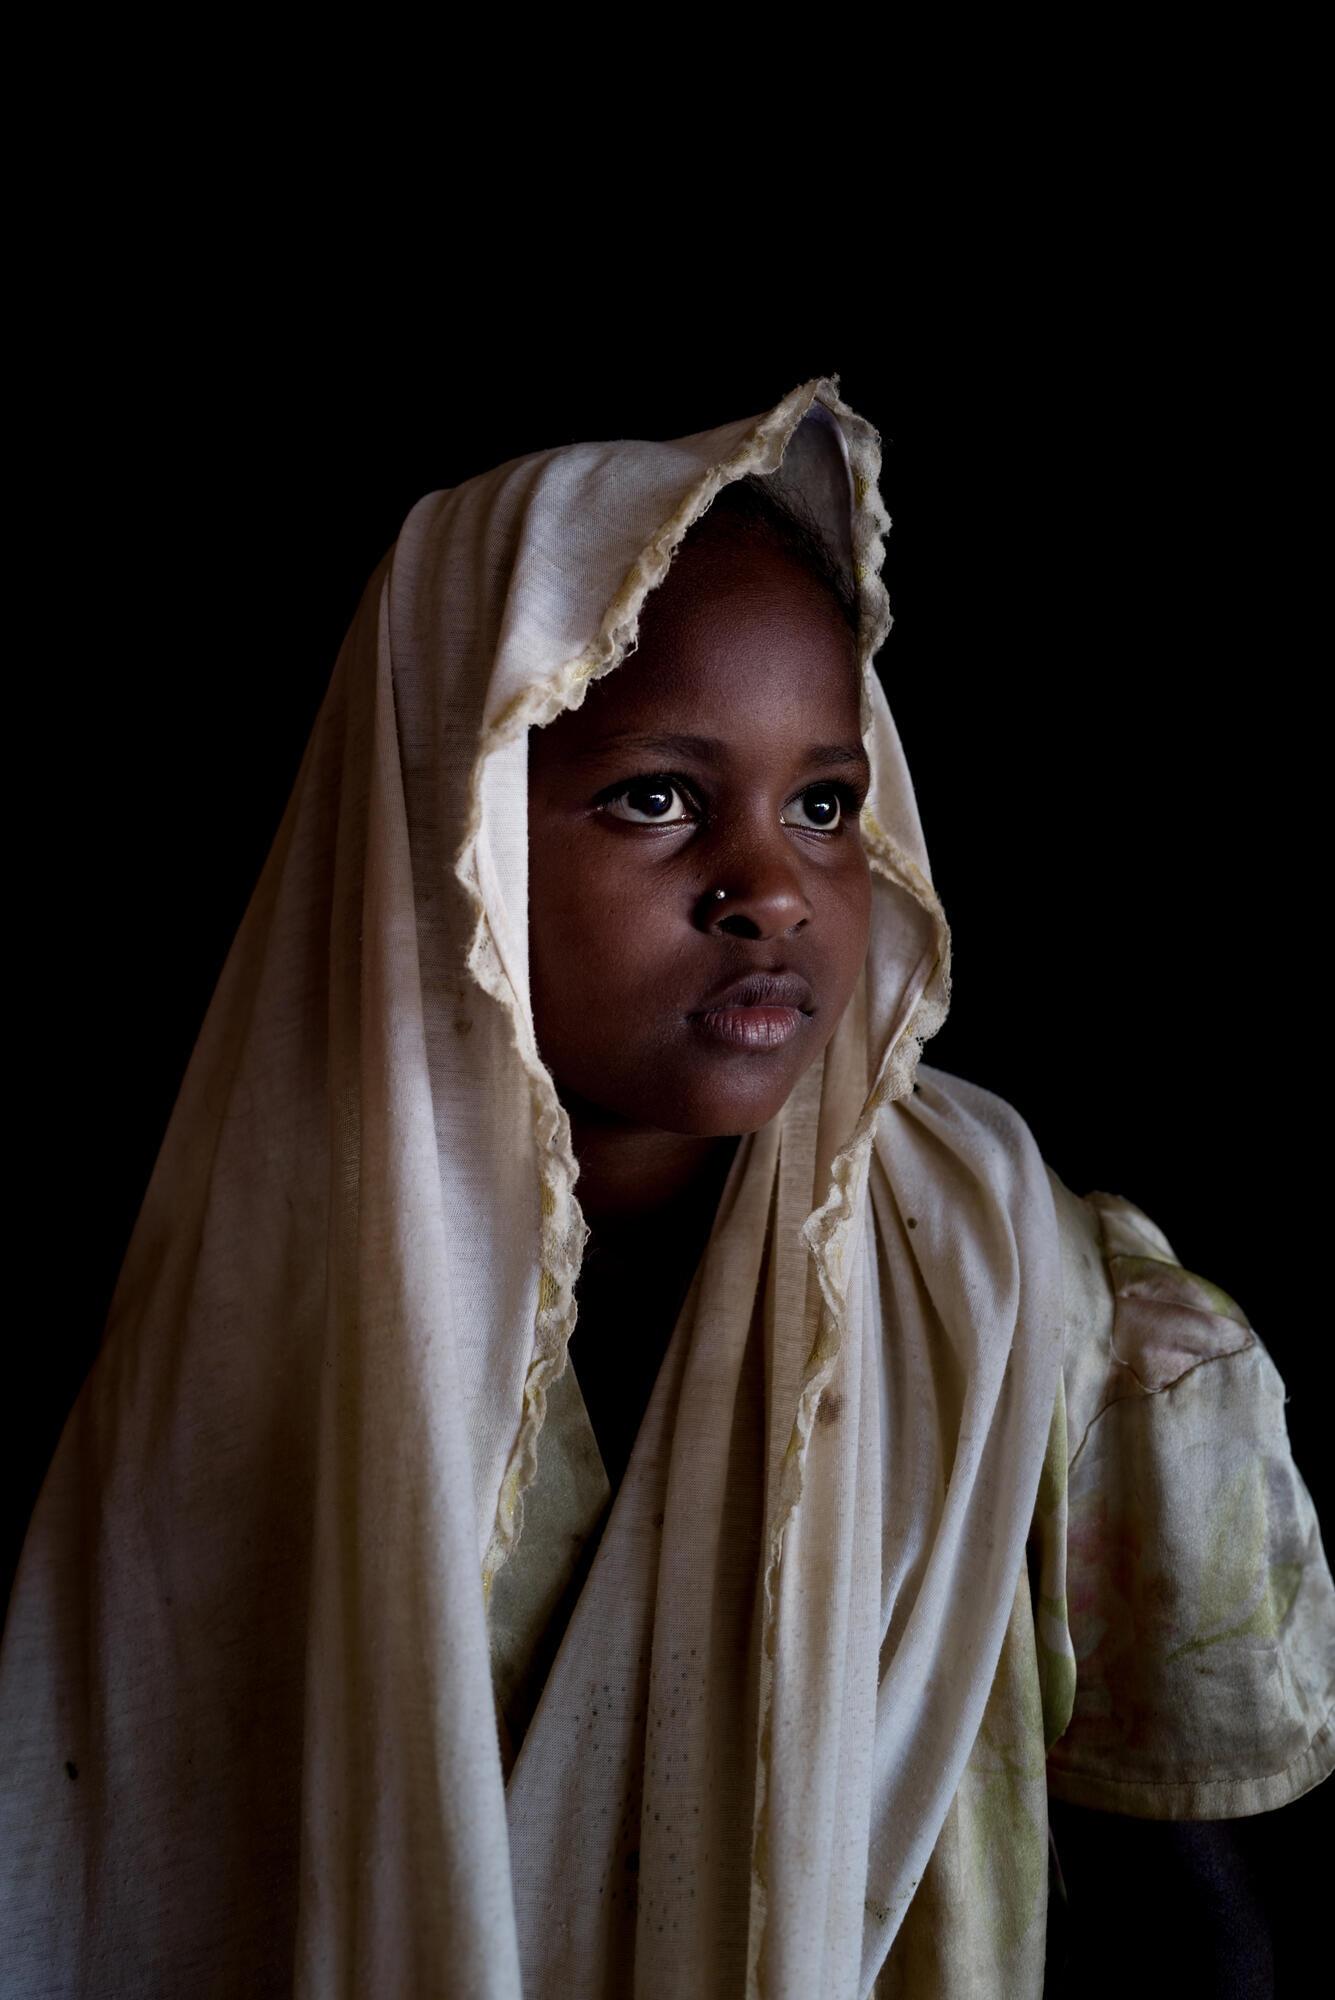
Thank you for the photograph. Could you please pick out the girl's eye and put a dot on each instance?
(647, 802)
(664, 801)
(823, 806)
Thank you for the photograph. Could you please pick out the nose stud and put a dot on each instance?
(719, 895)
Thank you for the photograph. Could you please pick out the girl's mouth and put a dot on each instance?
(750, 1027)
(758, 1010)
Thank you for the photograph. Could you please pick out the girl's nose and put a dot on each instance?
(762, 895)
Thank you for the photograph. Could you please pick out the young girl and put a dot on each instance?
(606, 1475)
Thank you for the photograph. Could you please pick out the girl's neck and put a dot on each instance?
(650, 1199)
(632, 1182)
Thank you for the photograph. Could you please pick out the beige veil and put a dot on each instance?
(246, 1705)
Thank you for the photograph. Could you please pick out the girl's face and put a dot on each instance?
(725, 752)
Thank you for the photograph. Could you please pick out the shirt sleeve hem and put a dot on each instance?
(1216, 1798)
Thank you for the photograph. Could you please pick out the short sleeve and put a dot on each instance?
(1186, 1610)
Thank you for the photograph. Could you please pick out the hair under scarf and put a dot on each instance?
(252, 1611)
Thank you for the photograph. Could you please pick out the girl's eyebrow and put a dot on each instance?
(709, 749)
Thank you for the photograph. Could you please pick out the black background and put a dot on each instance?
(1099, 667)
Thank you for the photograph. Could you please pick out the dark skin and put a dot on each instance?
(746, 652)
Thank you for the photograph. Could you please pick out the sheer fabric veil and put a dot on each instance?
(246, 1708)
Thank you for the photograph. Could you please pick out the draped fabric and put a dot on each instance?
(267, 1623)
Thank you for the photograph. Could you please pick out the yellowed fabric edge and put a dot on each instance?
(1216, 1798)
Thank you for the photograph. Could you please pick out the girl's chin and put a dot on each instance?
(730, 1093)
(722, 1114)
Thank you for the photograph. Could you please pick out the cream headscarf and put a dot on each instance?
(246, 1699)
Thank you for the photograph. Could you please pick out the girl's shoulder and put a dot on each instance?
(1137, 1321)
(1186, 1619)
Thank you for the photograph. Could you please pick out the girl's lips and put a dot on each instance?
(750, 1027)
(773, 988)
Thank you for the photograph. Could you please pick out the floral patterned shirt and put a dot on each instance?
(1171, 1651)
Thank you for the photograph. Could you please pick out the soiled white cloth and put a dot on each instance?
(246, 1692)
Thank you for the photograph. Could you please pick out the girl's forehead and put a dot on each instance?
(742, 620)
(767, 714)
(740, 643)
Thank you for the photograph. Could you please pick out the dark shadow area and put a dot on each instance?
(1220, 1909)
